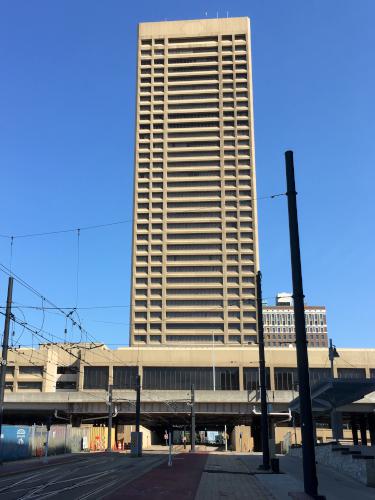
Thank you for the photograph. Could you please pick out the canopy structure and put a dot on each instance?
(333, 393)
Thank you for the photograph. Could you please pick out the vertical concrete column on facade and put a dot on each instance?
(241, 382)
(164, 242)
(110, 374)
(140, 373)
(354, 424)
(50, 370)
(272, 378)
(222, 198)
(15, 378)
(371, 426)
(336, 425)
(314, 430)
(363, 429)
(81, 372)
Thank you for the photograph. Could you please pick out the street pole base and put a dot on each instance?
(301, 495)
(264, 467)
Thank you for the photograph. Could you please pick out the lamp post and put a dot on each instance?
(213, 362)
(332, 354)
(336, 422)
(307, 427)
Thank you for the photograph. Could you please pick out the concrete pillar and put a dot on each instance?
(363, 429)
(272, 378)
(336, 425)
(240, 371)
(110, 374)
(353, 420)
(371, 426)
(314, 431)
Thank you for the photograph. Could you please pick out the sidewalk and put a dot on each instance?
(230, 477)
(196, 476)
(332, 484)
(178, 482)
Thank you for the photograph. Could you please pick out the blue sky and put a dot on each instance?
(67, 92)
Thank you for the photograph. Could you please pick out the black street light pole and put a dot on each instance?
(192, 430)
(110, 409)
(4, 358)
(332, 354)
(262, 375)
(138, 404)
(307, 429)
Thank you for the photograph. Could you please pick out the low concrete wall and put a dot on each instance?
(363, 470)
(241, 439)
(124, 435)
(286, 436)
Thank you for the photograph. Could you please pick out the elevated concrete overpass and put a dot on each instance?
(73, 380)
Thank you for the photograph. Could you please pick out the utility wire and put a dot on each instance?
(44, 299)
(72, 230)
(22, 282)
(100, 226)
(68, 308)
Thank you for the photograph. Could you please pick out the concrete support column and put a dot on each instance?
(353, 421)
(363, 429)
(314, 431)
(371, 426)
(336, 425)
(240, 370)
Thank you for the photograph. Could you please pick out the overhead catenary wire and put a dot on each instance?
(122, 306)
(19, 280)
(93, 395)
(100, 226)
(22, 282)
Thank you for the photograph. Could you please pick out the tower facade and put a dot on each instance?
(195, 221)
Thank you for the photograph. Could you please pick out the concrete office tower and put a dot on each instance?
(279, 328)
(195, 222)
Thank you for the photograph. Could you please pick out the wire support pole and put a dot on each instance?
(138, 404)
(4, 357)
(262, 375)
(307, 429)
(192, 431)
(110, 412)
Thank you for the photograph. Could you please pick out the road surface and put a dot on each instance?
(80, 477)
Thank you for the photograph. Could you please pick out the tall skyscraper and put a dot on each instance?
(195, 221)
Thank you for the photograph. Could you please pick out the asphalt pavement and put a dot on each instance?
(94, 476)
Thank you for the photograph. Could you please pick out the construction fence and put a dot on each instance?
(21, 441)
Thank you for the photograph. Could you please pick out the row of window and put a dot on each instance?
(194, 84)
(193, 269)
(191, 50)
(194, 246)
(194, 124)
(227, 50)
(226, 378)
(195, 279)
(191, 214)
(287, 318)
(290, 329)
(143, 226)
(176, 90)
(192, 59)
(194, 184)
